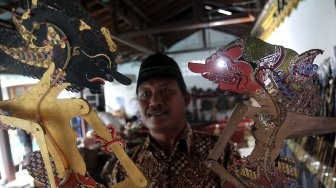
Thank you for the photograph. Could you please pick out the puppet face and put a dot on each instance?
(228, 71)
(94, 63)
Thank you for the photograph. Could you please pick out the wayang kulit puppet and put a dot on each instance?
(285, 88)
(58, 43)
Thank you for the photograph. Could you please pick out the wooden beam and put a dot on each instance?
(193, 50)
(99, 12)
(218, 3)
(161, 5)
(138, 11)
(134, 45)
(198, 10)
(172, 10)
(180, 26)
(123, 13)
(91, 3)
(114, 20)
(142, 15)
(128, 16)
(103, 20)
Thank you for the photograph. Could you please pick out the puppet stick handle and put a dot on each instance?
(238, 112)
(132, 170)
(45, 155)
(220, 170)
(299, 125)
(127, 183)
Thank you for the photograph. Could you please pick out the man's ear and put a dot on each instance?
(187, 98)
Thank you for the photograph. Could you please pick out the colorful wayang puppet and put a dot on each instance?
(60, 32)
(285, 86)
(57, 42)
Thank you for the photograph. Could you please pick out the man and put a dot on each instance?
(173, 155)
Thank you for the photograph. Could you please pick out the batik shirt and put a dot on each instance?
(184, 167)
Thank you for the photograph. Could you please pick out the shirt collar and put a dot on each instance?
(184, 142)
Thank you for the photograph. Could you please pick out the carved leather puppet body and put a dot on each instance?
(285, 86)
(56, 41)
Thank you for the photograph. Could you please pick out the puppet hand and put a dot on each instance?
(106, 145)
(4, 126)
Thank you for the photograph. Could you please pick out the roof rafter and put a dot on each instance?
(187, 25)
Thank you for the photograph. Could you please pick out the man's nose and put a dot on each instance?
(156, 99)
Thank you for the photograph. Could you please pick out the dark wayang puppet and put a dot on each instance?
(57, 42)
(285, 86)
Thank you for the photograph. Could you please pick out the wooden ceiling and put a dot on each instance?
(141, 27)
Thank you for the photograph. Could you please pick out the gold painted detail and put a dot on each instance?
(34, 2)
(248, 173)
(277, 18)
(112, 46)
(99, 55)
(269, 18)
(26, 15)
(83, 26)
(30, 53)
(287, 166)
(75, 51)
(54, 38)
(272, 16)
(26, 35)
(38, 58)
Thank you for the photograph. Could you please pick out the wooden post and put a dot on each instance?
(6, 162)
(7, 170)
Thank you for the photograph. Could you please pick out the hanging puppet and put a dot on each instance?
(57, 42)
(285, 87)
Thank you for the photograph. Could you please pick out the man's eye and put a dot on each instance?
(144, 94)
(165, 90)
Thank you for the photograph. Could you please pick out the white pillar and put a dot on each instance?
(6, 162)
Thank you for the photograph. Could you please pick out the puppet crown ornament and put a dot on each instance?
(57, 42)
(285, 86)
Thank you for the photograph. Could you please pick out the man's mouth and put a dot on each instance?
(157, 113)
(97, 80)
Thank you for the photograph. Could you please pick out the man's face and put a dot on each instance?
(162, 105)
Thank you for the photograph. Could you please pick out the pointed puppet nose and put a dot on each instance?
(196, 67)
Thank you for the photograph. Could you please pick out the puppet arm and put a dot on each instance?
(138, 179)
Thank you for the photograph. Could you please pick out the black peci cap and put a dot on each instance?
(160, 66)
